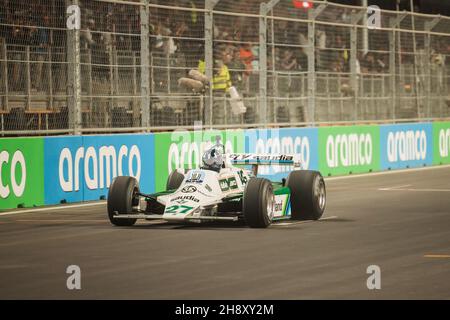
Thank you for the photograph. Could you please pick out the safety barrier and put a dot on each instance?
(54, 170)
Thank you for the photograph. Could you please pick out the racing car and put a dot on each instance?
(225, 188)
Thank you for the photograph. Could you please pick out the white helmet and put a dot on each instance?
(212, 159)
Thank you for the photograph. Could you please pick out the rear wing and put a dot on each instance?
(264, 159)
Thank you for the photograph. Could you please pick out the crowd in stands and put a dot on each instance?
(180, 33)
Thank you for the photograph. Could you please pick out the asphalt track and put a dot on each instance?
(399, 221)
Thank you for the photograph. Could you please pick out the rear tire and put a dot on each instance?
(121, 199)
(308, 194)
(258, 203)
(174, 180)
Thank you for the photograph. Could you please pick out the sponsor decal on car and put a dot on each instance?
(189, 189)
(249, 158)
(183, 199)
(281, 205)
(228, 184)
(176, 209)
(243, 178)
(278, 206)
(195, 176)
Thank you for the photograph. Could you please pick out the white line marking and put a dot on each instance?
(81, 205)
(303, 222)
(441, 256)
(394, 188)
(60, 220)
(382, 173)
(417, 190)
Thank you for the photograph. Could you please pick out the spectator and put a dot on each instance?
(42, 41)
(3, 20)
(302, 59)
(341, 55)
(17, 37)
(164, 43)
(221, 82)
(288, 61)
(237, 68)
(247, 57)
(321, 43)
(368, 63)
(86, 35)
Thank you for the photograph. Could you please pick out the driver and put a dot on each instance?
(212, 159)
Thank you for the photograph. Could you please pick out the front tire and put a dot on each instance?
(258, 203)
(122, 197)
(174, 180)
(308, 194)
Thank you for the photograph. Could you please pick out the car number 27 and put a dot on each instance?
(178, 209)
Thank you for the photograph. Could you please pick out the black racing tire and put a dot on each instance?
(308, 194)
(121, 199)
(174, 180)
(258, 197)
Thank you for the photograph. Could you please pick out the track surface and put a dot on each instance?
(393, 229)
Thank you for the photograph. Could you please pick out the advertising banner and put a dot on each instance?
(21, 172)
(406, 145)
(441, 142)
(82, 168)
(184, 150)
(347, 150)
(301, 141)
(53, 170)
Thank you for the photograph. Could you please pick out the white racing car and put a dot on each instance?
(222, 189)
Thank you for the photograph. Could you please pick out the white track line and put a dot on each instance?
(286, 224)
(370, 174)
(416, 190)
(382, 173)
(81, 205)
(394, 188)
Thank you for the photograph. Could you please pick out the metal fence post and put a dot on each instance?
(5, 73)
(28, 76)
(107, 120)
(310, 114)
(394, 47)
(416, 74)
(429, 25)
(263, 63)
(135, 105)
(354, 58)
(50, 76)
(392, 72)
(74, 75)
(209, 33)
(263, 11)
(312, 15)
(89, 71)
(145, 60)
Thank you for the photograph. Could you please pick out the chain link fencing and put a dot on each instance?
(127, 66)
